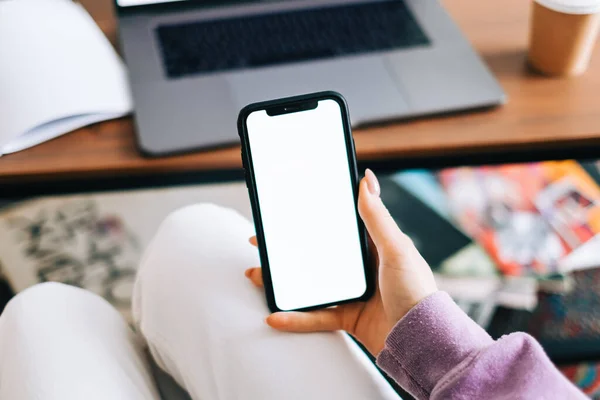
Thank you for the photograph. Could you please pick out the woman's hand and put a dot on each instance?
(404, 279)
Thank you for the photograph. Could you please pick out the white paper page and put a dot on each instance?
(55, 63)
(53, 129)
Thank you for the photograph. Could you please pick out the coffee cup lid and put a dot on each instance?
(572, 6)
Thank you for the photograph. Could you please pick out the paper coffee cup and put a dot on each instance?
(563, 35)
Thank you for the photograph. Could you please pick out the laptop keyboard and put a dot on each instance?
(291, 36)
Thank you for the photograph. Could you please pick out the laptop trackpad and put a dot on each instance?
(364, 81)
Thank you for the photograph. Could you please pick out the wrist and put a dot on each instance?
(407, 303)
(431, 339)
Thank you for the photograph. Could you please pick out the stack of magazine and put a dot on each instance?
(495, 235)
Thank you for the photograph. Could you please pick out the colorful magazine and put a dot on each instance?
(533, 219)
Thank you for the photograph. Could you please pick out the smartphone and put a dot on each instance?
(300, 163)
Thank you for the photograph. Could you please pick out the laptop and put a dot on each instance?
(195, 63)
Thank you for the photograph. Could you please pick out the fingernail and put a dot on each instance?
(372, 183)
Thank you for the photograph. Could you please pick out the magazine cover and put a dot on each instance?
(418, 203)
(436, 238)
(533, 219)
(95, 240)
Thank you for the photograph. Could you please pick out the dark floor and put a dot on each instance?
(6, 294)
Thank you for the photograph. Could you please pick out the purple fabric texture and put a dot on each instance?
(437, 352)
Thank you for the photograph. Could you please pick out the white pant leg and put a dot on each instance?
(204, 321)
(62, 343)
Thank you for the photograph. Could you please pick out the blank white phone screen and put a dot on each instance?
(307, 206)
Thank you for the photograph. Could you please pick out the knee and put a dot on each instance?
(196, 245)
(198, 217)
(42, 297)
(196, 232)
(50, 304)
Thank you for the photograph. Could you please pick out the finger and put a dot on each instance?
(315, 321)
(253, 241)
(379, 223)
(374, 256)
(255, 276)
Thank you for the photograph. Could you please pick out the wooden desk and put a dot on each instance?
(540, 112)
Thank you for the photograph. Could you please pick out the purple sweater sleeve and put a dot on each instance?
(437, 352)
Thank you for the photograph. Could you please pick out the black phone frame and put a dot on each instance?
(292, 105)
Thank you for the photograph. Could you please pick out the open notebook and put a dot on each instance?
(58, 73)
(95, 240)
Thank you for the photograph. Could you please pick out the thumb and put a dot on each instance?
(330, 319)
(379, 223)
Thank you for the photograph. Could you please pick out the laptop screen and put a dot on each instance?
(129, 3)
(133, 3)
